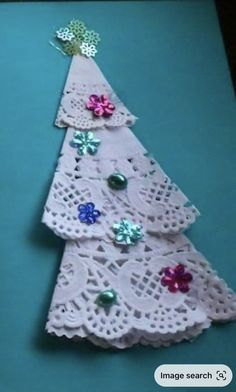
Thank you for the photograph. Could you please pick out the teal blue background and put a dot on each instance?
(166, 61)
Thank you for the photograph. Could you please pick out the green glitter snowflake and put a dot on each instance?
(77, 28)
(76, 39)
(72, 48)
(91, 37)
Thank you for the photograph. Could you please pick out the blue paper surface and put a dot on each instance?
(166, 61)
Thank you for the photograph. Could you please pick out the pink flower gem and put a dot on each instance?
(100, 106)
(176, 279)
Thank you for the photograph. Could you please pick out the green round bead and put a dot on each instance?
(106, 298)
(117, 181)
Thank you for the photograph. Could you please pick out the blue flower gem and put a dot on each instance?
(87, 213)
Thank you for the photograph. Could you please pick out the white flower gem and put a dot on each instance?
(88, 50)
(64, 34)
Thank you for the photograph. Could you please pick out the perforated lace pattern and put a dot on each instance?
(73, 112)
(154, 340)
(145, 311)
(151, 199)
(143, 303)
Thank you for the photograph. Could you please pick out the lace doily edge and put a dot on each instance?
(83, 333)
(135, 337)
(61, 124)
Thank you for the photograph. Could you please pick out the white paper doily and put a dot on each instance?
(145, 311)
(151, 199)
(72, 111)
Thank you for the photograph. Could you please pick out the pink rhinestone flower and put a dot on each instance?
(176, 279)
(100, 106)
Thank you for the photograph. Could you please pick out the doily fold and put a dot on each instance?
(127, 275)
(145, 311)
(73, 110)
(150, 199)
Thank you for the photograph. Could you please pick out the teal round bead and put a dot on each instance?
(106, 298)
(117, 181)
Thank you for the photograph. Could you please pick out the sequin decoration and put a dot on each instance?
(64, 34)
(117, 181)
(85, 142)
(100, 106)
(91, 37)
(88, 50)
(76, 39)
(71, 48)
(127, 232)
(78, 28)
(176, 279)
(106, 298)
(88, 214)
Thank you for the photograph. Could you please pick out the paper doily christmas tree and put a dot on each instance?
(128, 274)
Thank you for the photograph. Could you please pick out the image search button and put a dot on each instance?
(199, 375)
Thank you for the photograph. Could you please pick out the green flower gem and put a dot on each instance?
(91, 37)
(126, 232)
(85, 143)
(77, 28)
